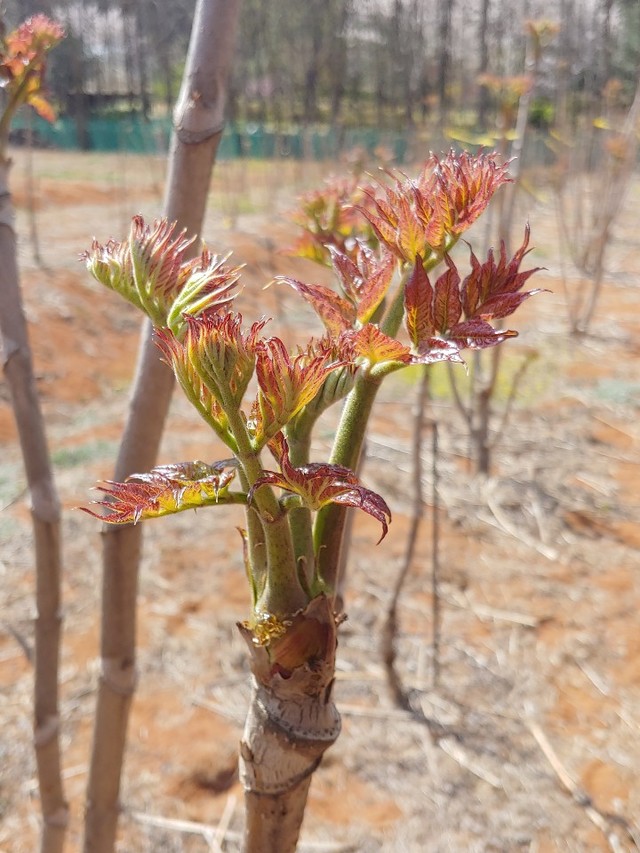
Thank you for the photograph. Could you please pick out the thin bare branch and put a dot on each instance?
(603, 821)
(390, 628)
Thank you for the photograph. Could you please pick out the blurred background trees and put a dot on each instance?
(405, 65)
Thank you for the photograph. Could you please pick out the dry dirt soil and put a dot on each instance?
(534, 672)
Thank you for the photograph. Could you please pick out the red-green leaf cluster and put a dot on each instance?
(196, 391)
(331, 218)
(213, 361)
(459, 311)
(364, 280)
(151, 270)
(22, 63)
(425, 216)
(287, 384)
(189, 301)
(372, 345)
(165, 490)
(319, 484)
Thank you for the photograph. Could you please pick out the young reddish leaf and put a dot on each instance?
(434, 350)
(176, 356)
(503, 304)
(385, 233)
(331, 218)
(34, 36)
(442, 218)
(148, 260)
(382, 216)
(515, 262)
(377, 278)
(418, 304)
(475, 287)
(318, 484)
(287, 384)
(374, 346)
(150, 270)
(423, 216)
(478, 334)
(464, 186)
(222, 354)
(507, 277)
(23, 63)
(411, 234)
(365, 279)
(153, 256)
(42, 107)
(349, 275)
(491, 291)
(205, 285)
(166, 490)
(308, 247)
(447, 304)
(336, 313)
(423, 202)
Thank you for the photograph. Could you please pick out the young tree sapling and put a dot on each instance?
(295, 507)
(23, 56)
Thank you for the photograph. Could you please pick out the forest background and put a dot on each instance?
(436, 70)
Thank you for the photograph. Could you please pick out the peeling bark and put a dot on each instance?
(292, 721)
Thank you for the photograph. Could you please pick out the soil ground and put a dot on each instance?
(536, 669)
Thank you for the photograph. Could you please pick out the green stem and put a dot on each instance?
(281, 593)
(392, 318)
(328, 533)
(300, 519)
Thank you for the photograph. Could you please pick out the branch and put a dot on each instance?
(197, 132)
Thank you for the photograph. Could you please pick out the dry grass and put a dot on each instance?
(537, 705)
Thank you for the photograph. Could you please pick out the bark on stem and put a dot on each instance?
(292, 721)
(198, 125)
(45, 515)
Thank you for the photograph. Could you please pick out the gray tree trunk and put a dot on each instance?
(198, 125)
(45, 515)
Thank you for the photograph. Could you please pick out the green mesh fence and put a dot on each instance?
(135, 134)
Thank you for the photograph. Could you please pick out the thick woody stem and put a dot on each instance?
(292, 721)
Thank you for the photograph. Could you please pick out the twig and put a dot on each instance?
(207, 831)
(235, 716)
(21, 640)
(513, 390)
(390, 629)
(223, 825)
(484, 611)
(31, 196)
(580, 796)
(634, 436)
(377, 713)
(455, 751)
(598, 682)
(504, 524)
(435, 558)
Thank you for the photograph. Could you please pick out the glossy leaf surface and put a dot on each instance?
(166, 490)
(318, 484)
